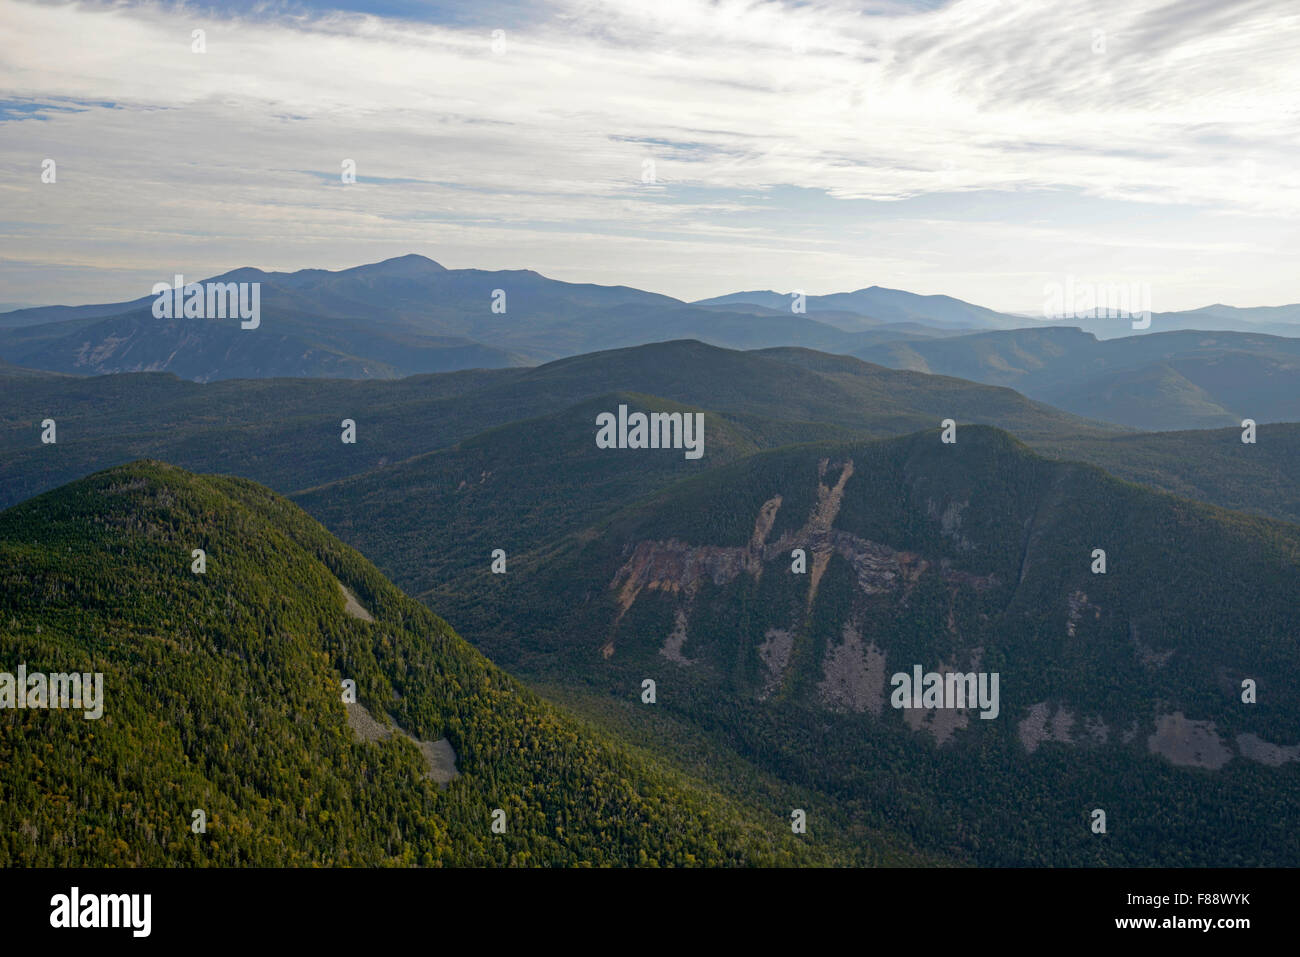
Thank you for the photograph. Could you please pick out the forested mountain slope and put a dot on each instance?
(222, 692)
(1121, 689)
(285, 433)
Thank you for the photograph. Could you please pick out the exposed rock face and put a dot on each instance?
(1257, 749)
(1047, 722)
(1186, 742)
(674, 566)
(774, 652)
(439, 756)
(854, 674)
(853, 670)
(816, 532)
(680, 569)
(879, 568)
(1040, 725)
(672, 649)
(353, 608)
(762, 529)
(943, 723)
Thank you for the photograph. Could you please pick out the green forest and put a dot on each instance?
(222, 693)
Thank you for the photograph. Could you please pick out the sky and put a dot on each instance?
(984, 149)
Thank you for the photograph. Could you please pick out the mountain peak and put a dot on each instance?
(411, 263)
(410, 266)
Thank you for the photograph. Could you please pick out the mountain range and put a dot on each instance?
(1120, 690)
(385, 320)
(1161, 381)
(878, 308)
(287, 433)
(920, 492)
(411, 315)
(770, 683)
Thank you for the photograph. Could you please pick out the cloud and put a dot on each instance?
(546, 128)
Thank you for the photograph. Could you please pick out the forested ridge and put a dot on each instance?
(447, 470)
(222, 693)
(976, 556)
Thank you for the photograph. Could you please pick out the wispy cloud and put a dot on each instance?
(530, 148)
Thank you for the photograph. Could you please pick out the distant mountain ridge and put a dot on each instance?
(883, 305)
(398, 317)
(283, 432)
(1161, 381)
(410, 315)
(381, 320)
